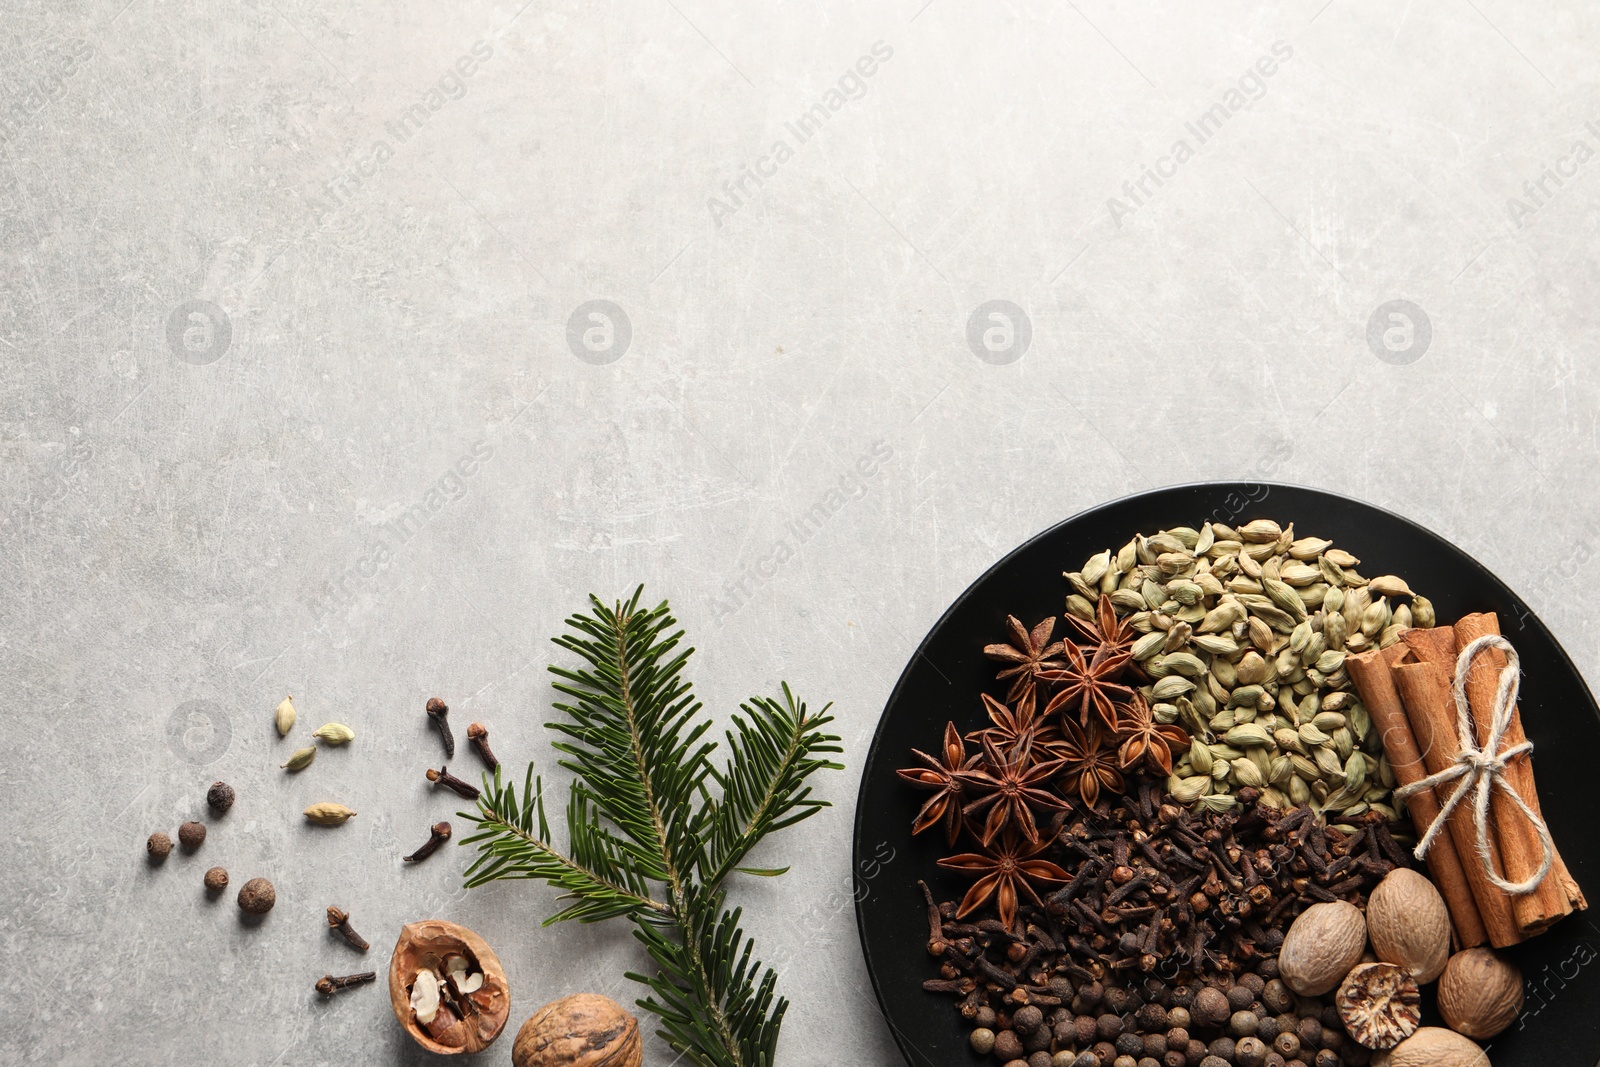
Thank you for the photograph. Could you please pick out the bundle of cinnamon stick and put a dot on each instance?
(1407, 690)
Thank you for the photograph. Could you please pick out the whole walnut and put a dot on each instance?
(583, 1030)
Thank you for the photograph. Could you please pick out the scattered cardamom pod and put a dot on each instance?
(301, 759)
(284, 716)
(335, 733)
(328, 813)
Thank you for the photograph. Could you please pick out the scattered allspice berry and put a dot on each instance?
(284, 717)
(257, 896)
(216, 880)
(219, 797)
(191, 835)
(159, 846)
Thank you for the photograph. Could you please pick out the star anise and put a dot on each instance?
(1089, 762)
(1018, 724)
(950, 777)
(1088, 685)
(1105, 633)
(1006, 871)
(1145, 739)
(1030, 652)
(1012, 780)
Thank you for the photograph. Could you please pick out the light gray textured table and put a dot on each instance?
(274, 275)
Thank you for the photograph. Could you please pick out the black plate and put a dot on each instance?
(1561, 1023)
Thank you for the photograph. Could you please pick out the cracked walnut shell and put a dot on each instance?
(468, 1024)
(1379, 1004)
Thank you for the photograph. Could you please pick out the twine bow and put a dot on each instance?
(1480, 769)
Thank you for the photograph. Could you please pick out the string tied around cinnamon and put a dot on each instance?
(1479, 770)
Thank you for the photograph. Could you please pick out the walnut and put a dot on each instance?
(1409, 924)
(583, 1030)
(1322, 944)
(1480, 992)
(1379, 1004)
(447, 988)
(1433, 1046)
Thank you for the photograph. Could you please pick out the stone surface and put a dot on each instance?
(301, 393)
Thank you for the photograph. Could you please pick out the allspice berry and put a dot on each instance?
(257, 896)
(216, 880)
(159, 846)
(191, 835)
(219, 797)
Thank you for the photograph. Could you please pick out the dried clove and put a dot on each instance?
(439, 712)
(441, 834)
(328, 985)
(443, 777)
(478, 734)
(339, 921)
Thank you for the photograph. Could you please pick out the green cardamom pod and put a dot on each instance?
(1422, 614)
(328, 813)
(1096, 568)
(1171, 687)
(335, 733)
(1245, 773)
(284, 716)
(1248, 733)
(301, 759)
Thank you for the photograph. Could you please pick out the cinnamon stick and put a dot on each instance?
(1370, 673)
(1558, 895)
(1424, 688)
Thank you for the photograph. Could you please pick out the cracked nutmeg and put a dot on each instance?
(1379, 1005)
(447, 988)
(583, 1030)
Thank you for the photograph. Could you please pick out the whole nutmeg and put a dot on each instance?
(1433, 1046)
(216, 880)
(1409, 924)
(1379, 1004)
(257, 896)
(159, 846)
(1480, 992)
(583, 1030)
(1322, 944)
(191, 835)
(219, 797)
(427, 959)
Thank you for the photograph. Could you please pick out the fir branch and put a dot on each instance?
(642, 810)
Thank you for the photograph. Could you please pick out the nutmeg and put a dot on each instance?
(1409, 924)
(1480, 992)
(583, 1030)
(1433, 1046)
(1322, 944)
(1379, 1004)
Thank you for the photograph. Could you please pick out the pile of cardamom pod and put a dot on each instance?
(1244, 634)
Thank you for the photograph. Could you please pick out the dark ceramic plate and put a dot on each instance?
(1561, 1023)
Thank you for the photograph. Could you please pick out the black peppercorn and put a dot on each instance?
(158, 846)
(1130, 1045)
(219, 797)
(1152, 1018)
(1253, 982)
(191, 835)
(1267, 1029)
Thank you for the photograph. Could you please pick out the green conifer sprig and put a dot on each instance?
(655, 826)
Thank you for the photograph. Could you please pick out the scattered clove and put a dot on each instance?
(328, 985)
(478, 734)
(439, 712)
(441, 834)
(339, 921)
(443, 777)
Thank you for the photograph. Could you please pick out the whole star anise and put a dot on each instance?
(1145, 739)
(950, 778)
(1030, 652)
(1012, 780)
(1088, 685)
(1006, 872)
(1015, 724)
(1089, 763)
(1106, 634)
